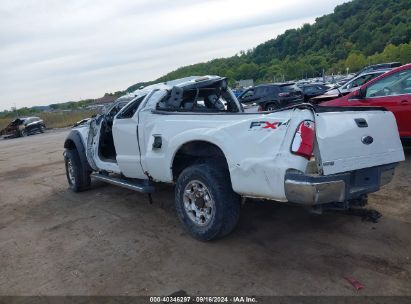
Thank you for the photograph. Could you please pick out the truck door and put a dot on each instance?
(125, 135)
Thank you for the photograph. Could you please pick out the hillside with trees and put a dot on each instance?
(356, 34)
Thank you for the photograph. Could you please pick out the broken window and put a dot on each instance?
(210, 97)
(129, 111)
(17, 122)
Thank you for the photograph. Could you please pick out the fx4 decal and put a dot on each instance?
(267, 125)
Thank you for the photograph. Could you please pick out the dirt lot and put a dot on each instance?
(110, 241)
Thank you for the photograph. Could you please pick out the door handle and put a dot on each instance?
(158, 142)
(404, 102)
(361, 122)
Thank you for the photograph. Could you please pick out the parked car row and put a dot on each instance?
(23, 126)
(348, 87)
(378, 86)
(270, 97)
(267, 97)
(391, 90)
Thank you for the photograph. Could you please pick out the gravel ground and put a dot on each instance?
(110, 241)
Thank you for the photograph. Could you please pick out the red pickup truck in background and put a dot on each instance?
(391, 90)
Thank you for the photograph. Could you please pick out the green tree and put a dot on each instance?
(247, 71)
(355, 62)
(356, 34)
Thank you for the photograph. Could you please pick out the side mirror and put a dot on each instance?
(358, 94)
(362, 92)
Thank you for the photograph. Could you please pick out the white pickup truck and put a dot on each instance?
(193, 132)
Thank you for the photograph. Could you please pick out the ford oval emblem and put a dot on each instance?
(367, 140)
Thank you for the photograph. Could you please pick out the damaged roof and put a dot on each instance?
(182, 82)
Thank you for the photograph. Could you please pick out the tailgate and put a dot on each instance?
(351, 140)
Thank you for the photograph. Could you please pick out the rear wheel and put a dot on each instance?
(42, 129)
(271, 106)
(23, 133)
(78, 176)
(205, 201)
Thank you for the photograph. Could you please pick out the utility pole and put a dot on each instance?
(15, 110)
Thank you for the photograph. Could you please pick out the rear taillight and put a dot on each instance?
(303, 142)
(260, 108)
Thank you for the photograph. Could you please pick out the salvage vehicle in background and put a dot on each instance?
(270, 97)
(348, 87)
(379, 66)
(313, 89)
(24, 126)
(194, 133)
(392, 90)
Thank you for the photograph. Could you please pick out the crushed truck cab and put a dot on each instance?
(194, 133)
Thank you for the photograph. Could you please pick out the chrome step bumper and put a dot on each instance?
(336, 188)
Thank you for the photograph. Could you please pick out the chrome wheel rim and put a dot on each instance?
(199, 205)
(70, 171)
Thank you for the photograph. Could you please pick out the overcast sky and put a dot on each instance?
(60, 50)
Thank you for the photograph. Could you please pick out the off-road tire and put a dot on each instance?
(79, 178)
(227, 203)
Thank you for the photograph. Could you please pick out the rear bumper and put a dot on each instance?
(316, 190)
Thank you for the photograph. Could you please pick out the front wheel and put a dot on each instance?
(78, 176)
(206, 203)
(23, 133)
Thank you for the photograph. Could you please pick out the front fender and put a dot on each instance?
(74, 140)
